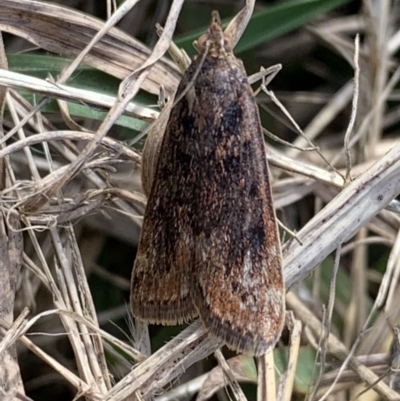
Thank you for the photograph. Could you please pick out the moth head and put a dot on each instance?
(215, 42)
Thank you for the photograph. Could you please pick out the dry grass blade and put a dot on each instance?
(266, 387)
(12, 332)
(216, 379)
(11, 247)
(238, 24)
(71, 377)
(167, 363)
(46, 25)
(391, 276)
(132, 352)
(128, 89)
(114, 146)
(229, 377)
(337, 348)
(35, 85)
(339, 220)
(286, 383)
(20, 326)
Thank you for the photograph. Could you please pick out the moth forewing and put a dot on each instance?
(159, 284)
(237, 281)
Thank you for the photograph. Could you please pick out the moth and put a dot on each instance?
(209, 245)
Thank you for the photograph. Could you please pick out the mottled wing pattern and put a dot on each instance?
(210, 244)
(237, 276)
(160, 281)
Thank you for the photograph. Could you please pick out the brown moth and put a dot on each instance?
(209, 245)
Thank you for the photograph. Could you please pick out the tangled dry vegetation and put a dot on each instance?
(67, 185)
